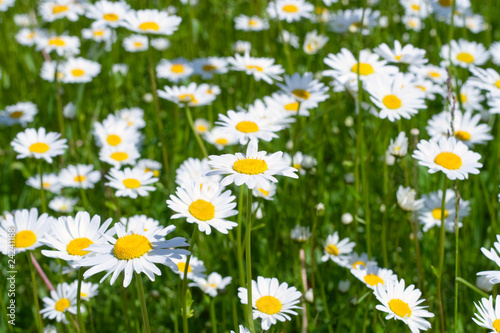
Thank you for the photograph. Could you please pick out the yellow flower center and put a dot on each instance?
(24, 238)
(188, 98)
(39, 147)
(177, 68)
(62, 304)
(131, 247)
(297, 166)
(113, 140)
(209, 68)
(364, 69)
(46, 185)
(292, 106)
(462, 135)
(137, 44)
(79, 179)
(392, 102)
(268, 304)
(56, 41)
(463, 98)
(436, 213)
(182, 267)
(201, 128)
(76, 246)
(358, 263)
(59, 9)
(434, 74)
(465, 57)
(16, 114)
(83, 295)
(149, 26)
(110, 17)
(250, 166)
(332, 249)
(247, 126)
(400, 308)
(448, 161)
(99, 33)
(222, 141)
(77, 72)
(119, 156)
(290, 8)
(301, 93)
(496, 325)
(202, 210)
(131, 183)
(446, 3)
(253, 67)
(415, 7)
(373, 280)
(252, 22)
(398, 57)
(422, 88)
(266, 193)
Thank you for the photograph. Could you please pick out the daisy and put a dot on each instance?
(487, 79)
(5, 4)
(50, 71)
(273, 117)
(371, 275)
(289, 10)
(489, 315)
(201, 126)
(174, 70)
(395, 99)
(267, 192)
(62, 204)
(207, 67)
(125, 154)
(287, 37)
(419, 8)
(64, 45)
(50, 182)
(356, 261)
(38, 144)
(403, 304)
(107, 12)
(148, 165)
(79, 176)
(256, 168)
(399, 147)
(52, 10)
(134, 250)
(406, 199)
(71, 236)
(28, 37)
(79, 70)
(492, 254)
(413, 22)
(495, 52)
(271, 300)
(260, 68)
(470, 97)
(99, 33)
(220, 137)
(246, 126)
(192, 95)
(300, 162)
(61, 301)
(430, 215)
(466, 126)
(29, 230)
(20, 113)
(212, 284)
(87, 289)
(250, 23)
(192, 170)
(443, 8)
(135, 43)
(121, 69)
(241, 46)
(305, 89)
(337, 251)
(314, 42)
(436, 74)
(131, 182)
(286, 104)
(115, 132)
(464, 53)
(133, 116)
(195, 269)
(300, 234)
(353, 20)
(145, 222)
(404, 55)
(160, 43)
(151, 21)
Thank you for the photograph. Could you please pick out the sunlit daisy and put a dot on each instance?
(354, 20)
(148, 165)
(399, 146)
(62, 204)
(115, 131)
(201, 126)
(443, 8)
(489, 314)
(260, 68)
(160, 43)
(430, 215)
(271, 301)
(407, 199)
(464, 53)
(372, 275)
(220, 137)
(5, 4)
(62, 300)
(135, 43)
(99, 33)
(131, 182)
(356, 261)
(52, 10)
(88, 290)
(196, 268)
(492, 254)
(300, 162)
(145, 222)
(407, 54)
(20, 113)
(487, 79)
(133, 116)
(50, 71)
(434, 73)
(28, 37)
(192, 170)
(250, 23)
(418, 8)
(246, 126)
(79, 176)
(64, 45)
(266, 192)
(286, 104)
(305, 89)
(174, 70)
(289, 10)
(191, 95)
(151, 21)
(38, 144)
(212, 284)
(117, 156)
(111, 13)
(337, 250)
(314, 42)
(266, 113)
(79, 70)
(241, 46)
(51, 182)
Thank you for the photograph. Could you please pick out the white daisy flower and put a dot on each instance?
(71, 236)
(20, 113)
(430, 215)
(300, 234)
(79, 176)
(353, 20)
(470, 97)
(50, 71)
(475, 23)
(62, 204)
(52, 10)
(212, 284)
(492, 254)
(26, 228)
(61, 300)
(201, 126)
(489, 315)
(148, 165)
(131, 182)
(38, 144)
(436, 74)
(419, 8)
(192, 170)
(64, 45)
(28, 37)
(99, 33)
(260, 68)
(372, 275)
(271, 300)
(289, 10)
(250, 23)
(266, 192)
(145, 222)
(88, 290)
(246, 126)
(449, 156)
(356, 261)
(5, 4)
(79, 70)
(114, 132)
(337, 250)
(406, 197)
(443, 8)
(206, 206)
(403, 304)
(273, 117)
(256, 168)
(241, 46)
(196, 268)
(487, 79)
(305, 89)
(404, 55)
(151, 21)
(464, 53)
(314, 42)
(160, 43)
(495, 52)
(287, 37)
(135, 43)
(136, 250)
(399, 147)
(192, 95)
(111, 13)
(300, 161)
(50, 182)
(207, 67)
(220, 137)
(133, 116)
(125, 154)
(174, 70)
(286, 104)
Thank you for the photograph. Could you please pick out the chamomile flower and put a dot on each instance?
(174, 70)
(286, 104)
(148, 165)
(52, 10)
(250, 23)
(353, 20)
(72, 235)
(475, 23)
(300, 234)
(50, 182)
(133, 116)
(62, 300)
(62, 204)
(407, 54)
(117, 156)
(160, 43)
(406, 197)
(64, 45)
(372, 275)
(489, 315)
(194, 169)
(79, 176)
(246, 126)
(314, 42)
(28, 37)
(38, 144)
(212, 284)
(88, 290)
(273, 117)
(114, 131)
(261, 68)
(289, 10)
(241, 46)
(131, 182)
(266, 192)
(443, 8)
(287, 37)
(271, 301)
(135, 43)
(403, 304)
(196, 268)
(207, 67)
(470, 97)
(207, 206)
(220, 137)
(79, 70)
(300, 161)
(133, 250)
(449, 156)
(466, 126)
(464, 53)
(5, 4)
(256, 168)
(20, 113)
(191, 95)
(201, 126)
(305, 89)
(399, 147)
(99, 33)
(151, 21)
(145, 222)
(395, 99)
(337, 250)
(495, 52)
(430, 215)
(50, 71)
(356, 261)
(419, 8)
(487, 79)
(492, 254)
(110, 13)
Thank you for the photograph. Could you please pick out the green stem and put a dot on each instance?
(248, 255)
(60, 115)
(196, 135)
(457, 211)
(42, 190)
(441, 256)
(142, 298)
(472, 287)
(194, 236)
(35, 294)
(81, 324)
(213, 318)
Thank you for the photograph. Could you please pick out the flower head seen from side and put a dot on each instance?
(132, 222)
(407, 54)
(151, 21)
(372, 275)
(136, 250)
(212, 284)
(20, 113)
(464, 53)
(192, 170)
(271, 301)
(191, 95)
(206, 206)
(79, 176)
(196, 268)
(261, 68)
(492, 254)
(135, 43)
(88, 289)
(300, 234)
(430, 214)
(449, 156)
(305, 89)
(50, 182)
(406, 197)
(61, 301)
(337, 250)
(399, 147)
(131, 182)
(220, 137)
(313, 42)
(62, 204)
(250, 23)
(403, 304)
(488, 315)
(110, 13)
(39, 144)
(256, 168)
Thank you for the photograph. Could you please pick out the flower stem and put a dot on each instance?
(457, 212)
(35, 294)
(248, 254)
(42, 190)
(194, 236)
(144, 309)
(441, 257)
(196, 135)
(303, 271)
(213, 318)
(78, 301)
